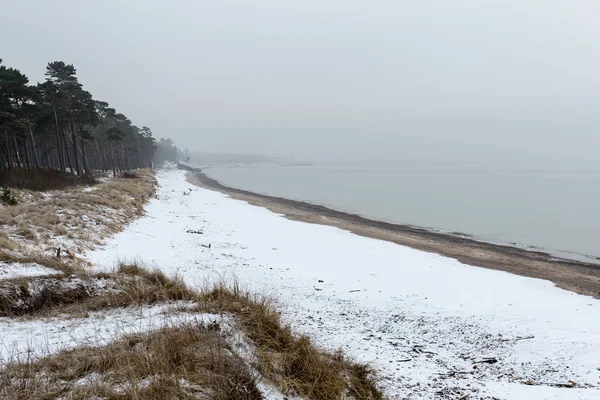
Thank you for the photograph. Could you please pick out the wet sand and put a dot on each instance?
(577, 276)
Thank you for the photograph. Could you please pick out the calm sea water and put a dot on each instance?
(554, 209)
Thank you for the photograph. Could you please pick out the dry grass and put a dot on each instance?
(34, 295)
(188, 362)
(75, 217)
(52, 262)
(137, 286)
(78, 294)
(293, 363)
(6, 243)
(181, 362)
(26, 233)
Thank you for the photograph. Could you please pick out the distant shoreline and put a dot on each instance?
(577, 276)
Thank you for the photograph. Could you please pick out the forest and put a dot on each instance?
(58, 125)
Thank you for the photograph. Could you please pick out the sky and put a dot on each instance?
(334, 80)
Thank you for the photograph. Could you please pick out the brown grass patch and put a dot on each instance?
(188, 362)
(81, 293)
(47, 261)
(293, 363)
(33, 295)
(75, 212)
(60, 231)
(6, 243)
(137, 286)
(26, 233)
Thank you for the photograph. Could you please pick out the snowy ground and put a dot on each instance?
(10, 270)
(27, 339)
(430, 325)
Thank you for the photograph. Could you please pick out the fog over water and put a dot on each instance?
(506, 85)
(428, 81)
(556, 211)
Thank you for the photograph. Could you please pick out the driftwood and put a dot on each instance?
(517, 338)
(570, 384)
(417, 348)
(488, 360)
(454, 373)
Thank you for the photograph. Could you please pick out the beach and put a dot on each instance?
(430, 326)
(577, 276)
(300, 201)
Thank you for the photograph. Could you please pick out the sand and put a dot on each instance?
(577, 276)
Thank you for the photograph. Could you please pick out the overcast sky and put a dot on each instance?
(426, 80)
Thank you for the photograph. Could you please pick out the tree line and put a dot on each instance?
(57, 124)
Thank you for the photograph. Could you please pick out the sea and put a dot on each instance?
(546, 208)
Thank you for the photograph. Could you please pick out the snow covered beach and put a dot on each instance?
(430, 325)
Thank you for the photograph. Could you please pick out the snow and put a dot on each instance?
(239, 343)
(30, 339)
(18, 270)
(27, 294)
(269, 392)
(423, 321)
(25, 339)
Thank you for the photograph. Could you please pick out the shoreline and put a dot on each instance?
(573, 275)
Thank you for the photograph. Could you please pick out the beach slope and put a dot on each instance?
(578, 276)
(432, 326)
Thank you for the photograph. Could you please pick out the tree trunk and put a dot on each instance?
(48, 159)
(122, 157)
(60, 152)
(85, 163)
(16, 147)
(77, 166)
(128, 161)
(57, 158)
(4, 160)
(9, 150)
(119, 159)
(112, 156)
(61, 160)
(100, 154)
(149, 157)
(139, 154)
(26, 150)
(64, 137)
(36, 160)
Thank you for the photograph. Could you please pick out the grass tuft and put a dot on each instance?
(81, 293)
(41, 259)
(26, 233)
(187, 362)
(293, 363)
(6, 243)
(30, 296)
